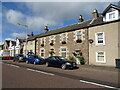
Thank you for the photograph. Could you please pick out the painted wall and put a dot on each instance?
(119, 40)
(110, 47)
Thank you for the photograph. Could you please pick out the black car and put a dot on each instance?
(19, 58)
(59, 62)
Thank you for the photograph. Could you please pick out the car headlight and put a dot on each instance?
(68, 63)
(37, 59)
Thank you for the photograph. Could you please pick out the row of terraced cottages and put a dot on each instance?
(97, 40)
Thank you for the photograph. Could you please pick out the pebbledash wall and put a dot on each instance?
(110, 47)
(70, 45)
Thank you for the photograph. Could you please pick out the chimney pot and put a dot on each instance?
(80, 19)
(46, 29)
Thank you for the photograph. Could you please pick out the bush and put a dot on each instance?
(71, 58)
(82, 60)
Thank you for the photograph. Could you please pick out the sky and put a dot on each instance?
(36, 15)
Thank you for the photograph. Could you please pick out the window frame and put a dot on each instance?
(80, 35)
(64, 52)
(104, 54)
(64, 37)
(42, 52)
(52, 38)
(112, 15)
(96, 38)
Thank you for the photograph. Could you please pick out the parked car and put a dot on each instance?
(34, 59)
(59, 62)
(19, 58)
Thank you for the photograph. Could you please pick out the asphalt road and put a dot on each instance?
(18, 77)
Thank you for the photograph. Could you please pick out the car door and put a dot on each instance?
(55, 62)
(32, 59)
(29, 59)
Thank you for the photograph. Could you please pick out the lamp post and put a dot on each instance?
(26, 26)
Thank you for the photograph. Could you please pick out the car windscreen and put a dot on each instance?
(58, 58)
(20, 55)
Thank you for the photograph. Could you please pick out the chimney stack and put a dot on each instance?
(80, 19)
(32, 34)
(95, 14)
(46, 29)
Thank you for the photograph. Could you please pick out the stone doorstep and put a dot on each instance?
(103, 68)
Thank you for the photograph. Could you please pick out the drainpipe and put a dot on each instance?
(88, 42)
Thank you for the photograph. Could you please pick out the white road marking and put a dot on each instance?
(99, 84)
(40, 71)
(45, 72)
(30, 69)
(14, 65)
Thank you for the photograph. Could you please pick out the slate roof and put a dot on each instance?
(61, 30)
(8, 42)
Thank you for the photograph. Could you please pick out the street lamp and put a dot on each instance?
(26, 26)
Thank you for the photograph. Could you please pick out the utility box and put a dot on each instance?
(117, 63)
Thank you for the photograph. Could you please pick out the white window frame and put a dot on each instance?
(52, 39)
(96, 38)
(64, 51)
(112, 15)
(104, 57)
(107, 16)
(64, 37)
(80, 35)
(42, 52)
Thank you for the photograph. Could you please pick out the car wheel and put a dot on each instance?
(63, 66)
(34, 63)
(27, 61)
(47, 64)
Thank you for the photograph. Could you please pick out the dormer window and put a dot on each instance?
(112, 15)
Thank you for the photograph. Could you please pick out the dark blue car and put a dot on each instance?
(34, 59)
(57, 61)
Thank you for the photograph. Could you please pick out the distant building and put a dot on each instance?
(15, 47)
(1, 47)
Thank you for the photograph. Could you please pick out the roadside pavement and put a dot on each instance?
(100, 68)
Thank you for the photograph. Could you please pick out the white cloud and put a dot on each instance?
(53, 14)
(19, 35)
(10, 39)
(14, 16)
(33, 22)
